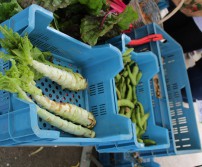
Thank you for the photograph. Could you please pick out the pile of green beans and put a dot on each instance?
(128, 105)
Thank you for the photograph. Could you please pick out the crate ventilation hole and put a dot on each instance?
(98, 110)
(39, 41)
(96, 89)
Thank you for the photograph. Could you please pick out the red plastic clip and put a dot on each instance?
(149, 38)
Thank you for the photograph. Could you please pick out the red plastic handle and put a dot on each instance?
(149, 38)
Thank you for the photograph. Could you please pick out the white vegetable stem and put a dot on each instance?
(64, 125)
(56, 121)
(68, 111)
(69, 80)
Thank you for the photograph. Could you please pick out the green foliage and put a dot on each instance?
(8, 8)
(94, 6)
(91, 29)
(129, 15)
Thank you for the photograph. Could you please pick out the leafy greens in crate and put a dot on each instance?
(29, 63)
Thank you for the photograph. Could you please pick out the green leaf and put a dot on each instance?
(12, 85)
(8, 8)
(5, 56)
(24, 77)
(13, 71)
(128, 16)
(51, 5)
(94, 6)
(10, 40)
(37, 75)
(91, 29)
(43, 58)
(9, 84)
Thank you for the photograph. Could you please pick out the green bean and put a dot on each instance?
(127, 52)
(131, 63)
(117, 78)
(134, 93)
(128, 112)
(135, 101)
(123, 92)
(122, 80)
(121, 111)
(139, 76)
(144, 119)
(137, 130)
(118, 93)
(138, 118)
(145, 126)
(132, 78)
(135, 71)
(127, 59)
(141, 109)
(128, 81)
(122, 115)
(133, 118)
(121, 85)
(125, 102)
(149, 142)
(140, 140)
(130, 91)
(140, 133)
(125, 74)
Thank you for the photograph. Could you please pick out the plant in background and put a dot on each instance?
(93, 27)
(8, 8)
(92, 21)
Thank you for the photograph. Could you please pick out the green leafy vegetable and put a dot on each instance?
(94, 5)
(129, 16)
(14, 85)
(91, 28)
(20, 79)
(24, 53)
(25, 78)
(51, 5)
(8, 8)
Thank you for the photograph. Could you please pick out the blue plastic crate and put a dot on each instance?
(148, 64)
(114, 160)
(123, 160)
(182, 126)
(19, 124)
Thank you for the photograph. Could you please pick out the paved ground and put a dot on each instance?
(48, 157)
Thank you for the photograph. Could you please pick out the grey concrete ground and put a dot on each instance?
(48, 157)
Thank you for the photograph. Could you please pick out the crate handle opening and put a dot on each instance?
(184, 98)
